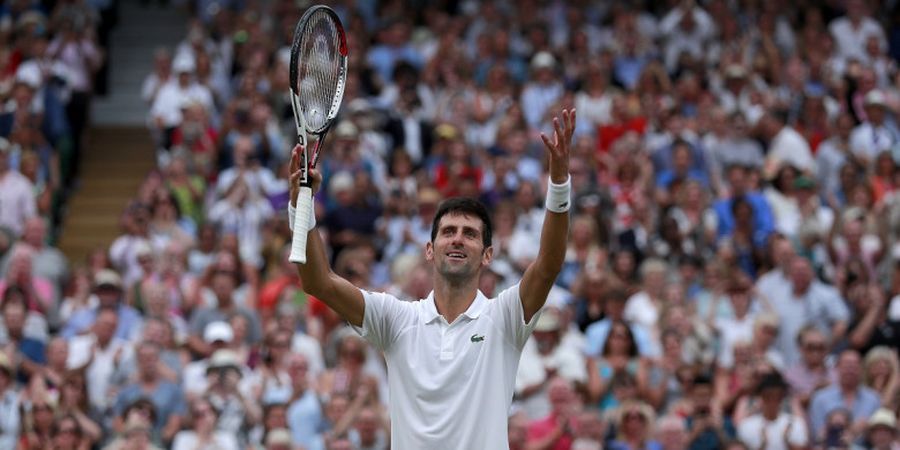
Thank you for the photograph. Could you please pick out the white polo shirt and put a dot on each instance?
(451, 385)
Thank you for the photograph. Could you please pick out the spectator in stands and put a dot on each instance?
(10, 416)
(109, 293)
(875, 134)
(223, 285)
(166, 110)
(27, 353)
(545, 358)
(304, 413)
(98, 352)
(813, 371)
(772, 427)
(848, 393)
(709, 427)
(165, 395)
(202, 432)
(17, 203)
(555, 430)
(807, 301)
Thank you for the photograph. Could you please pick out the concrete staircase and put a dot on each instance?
(116, 161)
(141, 29)
(118, 151)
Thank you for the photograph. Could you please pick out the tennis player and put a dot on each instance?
(452, 357)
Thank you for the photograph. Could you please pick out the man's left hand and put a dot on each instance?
(558, 147)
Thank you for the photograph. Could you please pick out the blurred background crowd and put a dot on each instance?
(732, 279)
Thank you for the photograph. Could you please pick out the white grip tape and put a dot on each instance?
(301, 226)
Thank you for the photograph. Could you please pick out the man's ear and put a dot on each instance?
(487, 256)
(429, 251)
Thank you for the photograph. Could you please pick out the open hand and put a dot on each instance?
(558, 147)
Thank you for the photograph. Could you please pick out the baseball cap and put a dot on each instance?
(340, 182)
(183, 64)
(107, 278)
(548, 321)
(543, 60)
(218, 331)
(224, 358)
(278, 436)
(875, 98)
(883, 418)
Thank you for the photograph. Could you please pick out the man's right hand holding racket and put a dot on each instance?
(316, 275)
(296, 174)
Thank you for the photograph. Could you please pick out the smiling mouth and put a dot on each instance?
(456, 255)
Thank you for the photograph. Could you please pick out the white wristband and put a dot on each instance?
(292, 212)
(559, 196)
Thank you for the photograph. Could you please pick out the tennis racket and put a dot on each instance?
(318, 76)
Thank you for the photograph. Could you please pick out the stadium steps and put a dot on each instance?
(116, 160)
(141, 29)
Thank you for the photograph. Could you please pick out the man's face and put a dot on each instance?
(701, 394)
(801, 274)
(849, 369)
(148, 358)
(814, 348)
(14, 318)
(105, 326)
(108, 295)
(546, 341)
(458, 252)
(367, 426)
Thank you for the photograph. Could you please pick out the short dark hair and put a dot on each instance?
(466, 206)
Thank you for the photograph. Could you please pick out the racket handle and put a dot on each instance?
(301, 226)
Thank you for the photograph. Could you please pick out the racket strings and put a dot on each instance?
(319, 70)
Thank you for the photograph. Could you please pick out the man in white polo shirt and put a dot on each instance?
(452, 357)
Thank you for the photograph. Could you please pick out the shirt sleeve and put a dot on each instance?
(797, 435)
(513, 316)
(384, 319)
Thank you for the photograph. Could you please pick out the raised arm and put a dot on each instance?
(318, 278)
(541, 274)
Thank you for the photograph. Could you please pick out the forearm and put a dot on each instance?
(321, 282)
(863, 331)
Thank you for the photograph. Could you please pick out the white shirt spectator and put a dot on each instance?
(172, 96)
(850, 40)
(830, 157)
(124, 255)
(10, 419)
(785, 430)
(260, 180)
(640, 309)
(188, 440)
(310, 348)
(102, 367)
(867, 140)
(245, 220)
(679, 39)
(17, 203)
(789, 146)
(568, 363)
(536, 98)
(79, 57)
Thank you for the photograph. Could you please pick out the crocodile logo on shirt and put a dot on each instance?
(476, 338)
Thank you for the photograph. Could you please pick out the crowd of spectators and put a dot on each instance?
(732, 278)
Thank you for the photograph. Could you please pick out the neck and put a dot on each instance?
(453, 299)
(770, 413)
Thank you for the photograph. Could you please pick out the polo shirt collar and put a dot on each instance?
(474, 310)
